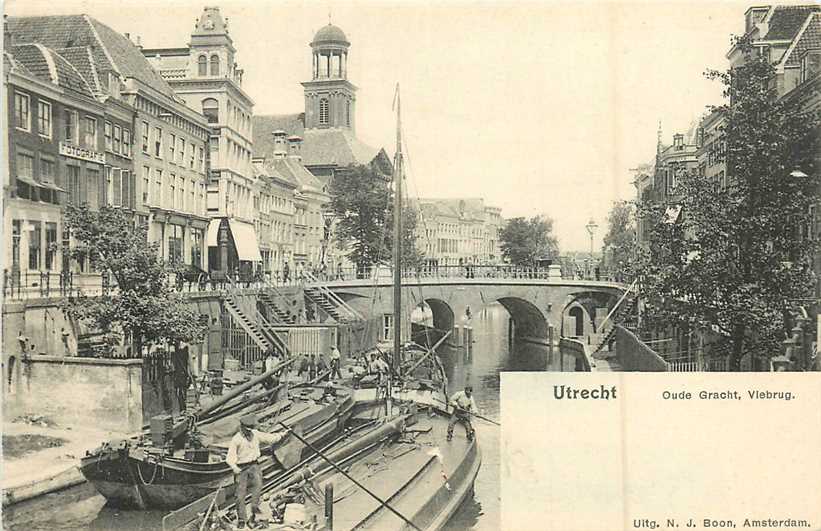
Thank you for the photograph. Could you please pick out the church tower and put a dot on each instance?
(212, 49)
(330, 99)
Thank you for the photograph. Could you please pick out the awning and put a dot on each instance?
(245, 240)
(52, 186)
(671, 215)
(213, 230)
(28, 180)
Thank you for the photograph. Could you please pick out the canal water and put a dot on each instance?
(81, 509)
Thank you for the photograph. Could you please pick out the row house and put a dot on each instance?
(55, 139)
(152, 149)
(207, 77)
(458, 231)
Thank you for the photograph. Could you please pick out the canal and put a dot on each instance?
(81, 509)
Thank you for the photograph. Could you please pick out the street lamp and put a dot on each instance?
(327, 218)
(591, 230)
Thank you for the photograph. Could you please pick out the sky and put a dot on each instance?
(540, 108)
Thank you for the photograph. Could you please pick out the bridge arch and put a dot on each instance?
(443, 316)
(529, 320)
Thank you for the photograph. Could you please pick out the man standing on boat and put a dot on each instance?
(336, 361)
(463, 407)
(243, 456)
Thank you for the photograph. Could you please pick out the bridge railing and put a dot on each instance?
(467, 271)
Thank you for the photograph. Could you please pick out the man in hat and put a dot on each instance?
(336, 362)
(463, 406)
(243, 457)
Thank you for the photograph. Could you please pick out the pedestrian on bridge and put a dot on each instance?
(463, 407)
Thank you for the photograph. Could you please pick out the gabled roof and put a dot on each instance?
(51, 67)
(81, 58)
(809, 39)
(10, 64)
(320, 147)
(293, 170)
(787, 20)
(110, 50)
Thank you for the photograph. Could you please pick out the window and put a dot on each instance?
(323, 111)
(44, 118)
(70, 131)
(51, 245)
(181, 151)
(146, 183)
(25, 166)
(22, 112)
(117, 187)
(157, 142)
(196, 247)
(126, 191)
(170, 201)
(175, 244)
(34, 245)
(192, 206)
(126, 143)
(810, 64)
(157, 187)
(215, 65)
(210, 109)
(47, 174)
(73, 185)
(15, 244)
(348, 113)
(202, 158)
(117, 139)
(145, 137)
(172, 141)
(90, 133)
(387, 326)
(192, 156)
(93, 187)
(202, 65)
(107, 135)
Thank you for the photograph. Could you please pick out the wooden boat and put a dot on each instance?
(172, 470)
(393, 469)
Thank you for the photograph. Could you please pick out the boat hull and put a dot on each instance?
(130, 477)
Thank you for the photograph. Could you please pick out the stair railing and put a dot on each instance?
(334, 298)
(269, 327)
(618, 304)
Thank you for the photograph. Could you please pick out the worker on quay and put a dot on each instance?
(312, 367)
(463, 407)
(271, 361)
(336, 362)
(378, 367)
(243, 458)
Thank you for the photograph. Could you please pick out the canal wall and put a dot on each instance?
(634, 355)
(83, 392)
(575, 352)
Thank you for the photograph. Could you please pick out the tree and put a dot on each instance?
(737, 256)
(523, 240)
(362, 201)
(620, 240)
(143, 308)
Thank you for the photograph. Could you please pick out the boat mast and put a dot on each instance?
(397, 236)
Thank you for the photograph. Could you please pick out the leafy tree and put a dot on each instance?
(620, 239)
(143, 306)
(523, 240)
(737, 255)
(362, 200)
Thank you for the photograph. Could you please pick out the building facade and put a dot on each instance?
(205, 74)
(151, 155)
(453, 232)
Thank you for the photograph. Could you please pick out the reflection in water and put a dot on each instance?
(82, 509)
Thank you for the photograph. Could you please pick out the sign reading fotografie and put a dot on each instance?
(79, 153)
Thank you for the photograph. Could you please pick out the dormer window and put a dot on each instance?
(202, 65)
(810, 65)
(215, 65)
(323, 111)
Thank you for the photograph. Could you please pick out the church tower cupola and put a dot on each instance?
(329, 97)
(212, 48)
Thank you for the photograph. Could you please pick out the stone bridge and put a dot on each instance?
(575, 308)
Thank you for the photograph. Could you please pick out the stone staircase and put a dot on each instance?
(247, 324)
(328, 302)
(266, 297)
(623, 314)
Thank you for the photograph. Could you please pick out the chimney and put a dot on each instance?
(280, 149)
(139, 43)
(127, 35)
(295, 147)
(8, 39)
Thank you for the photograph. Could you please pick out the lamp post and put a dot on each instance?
(328, 219)
(591, 230)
